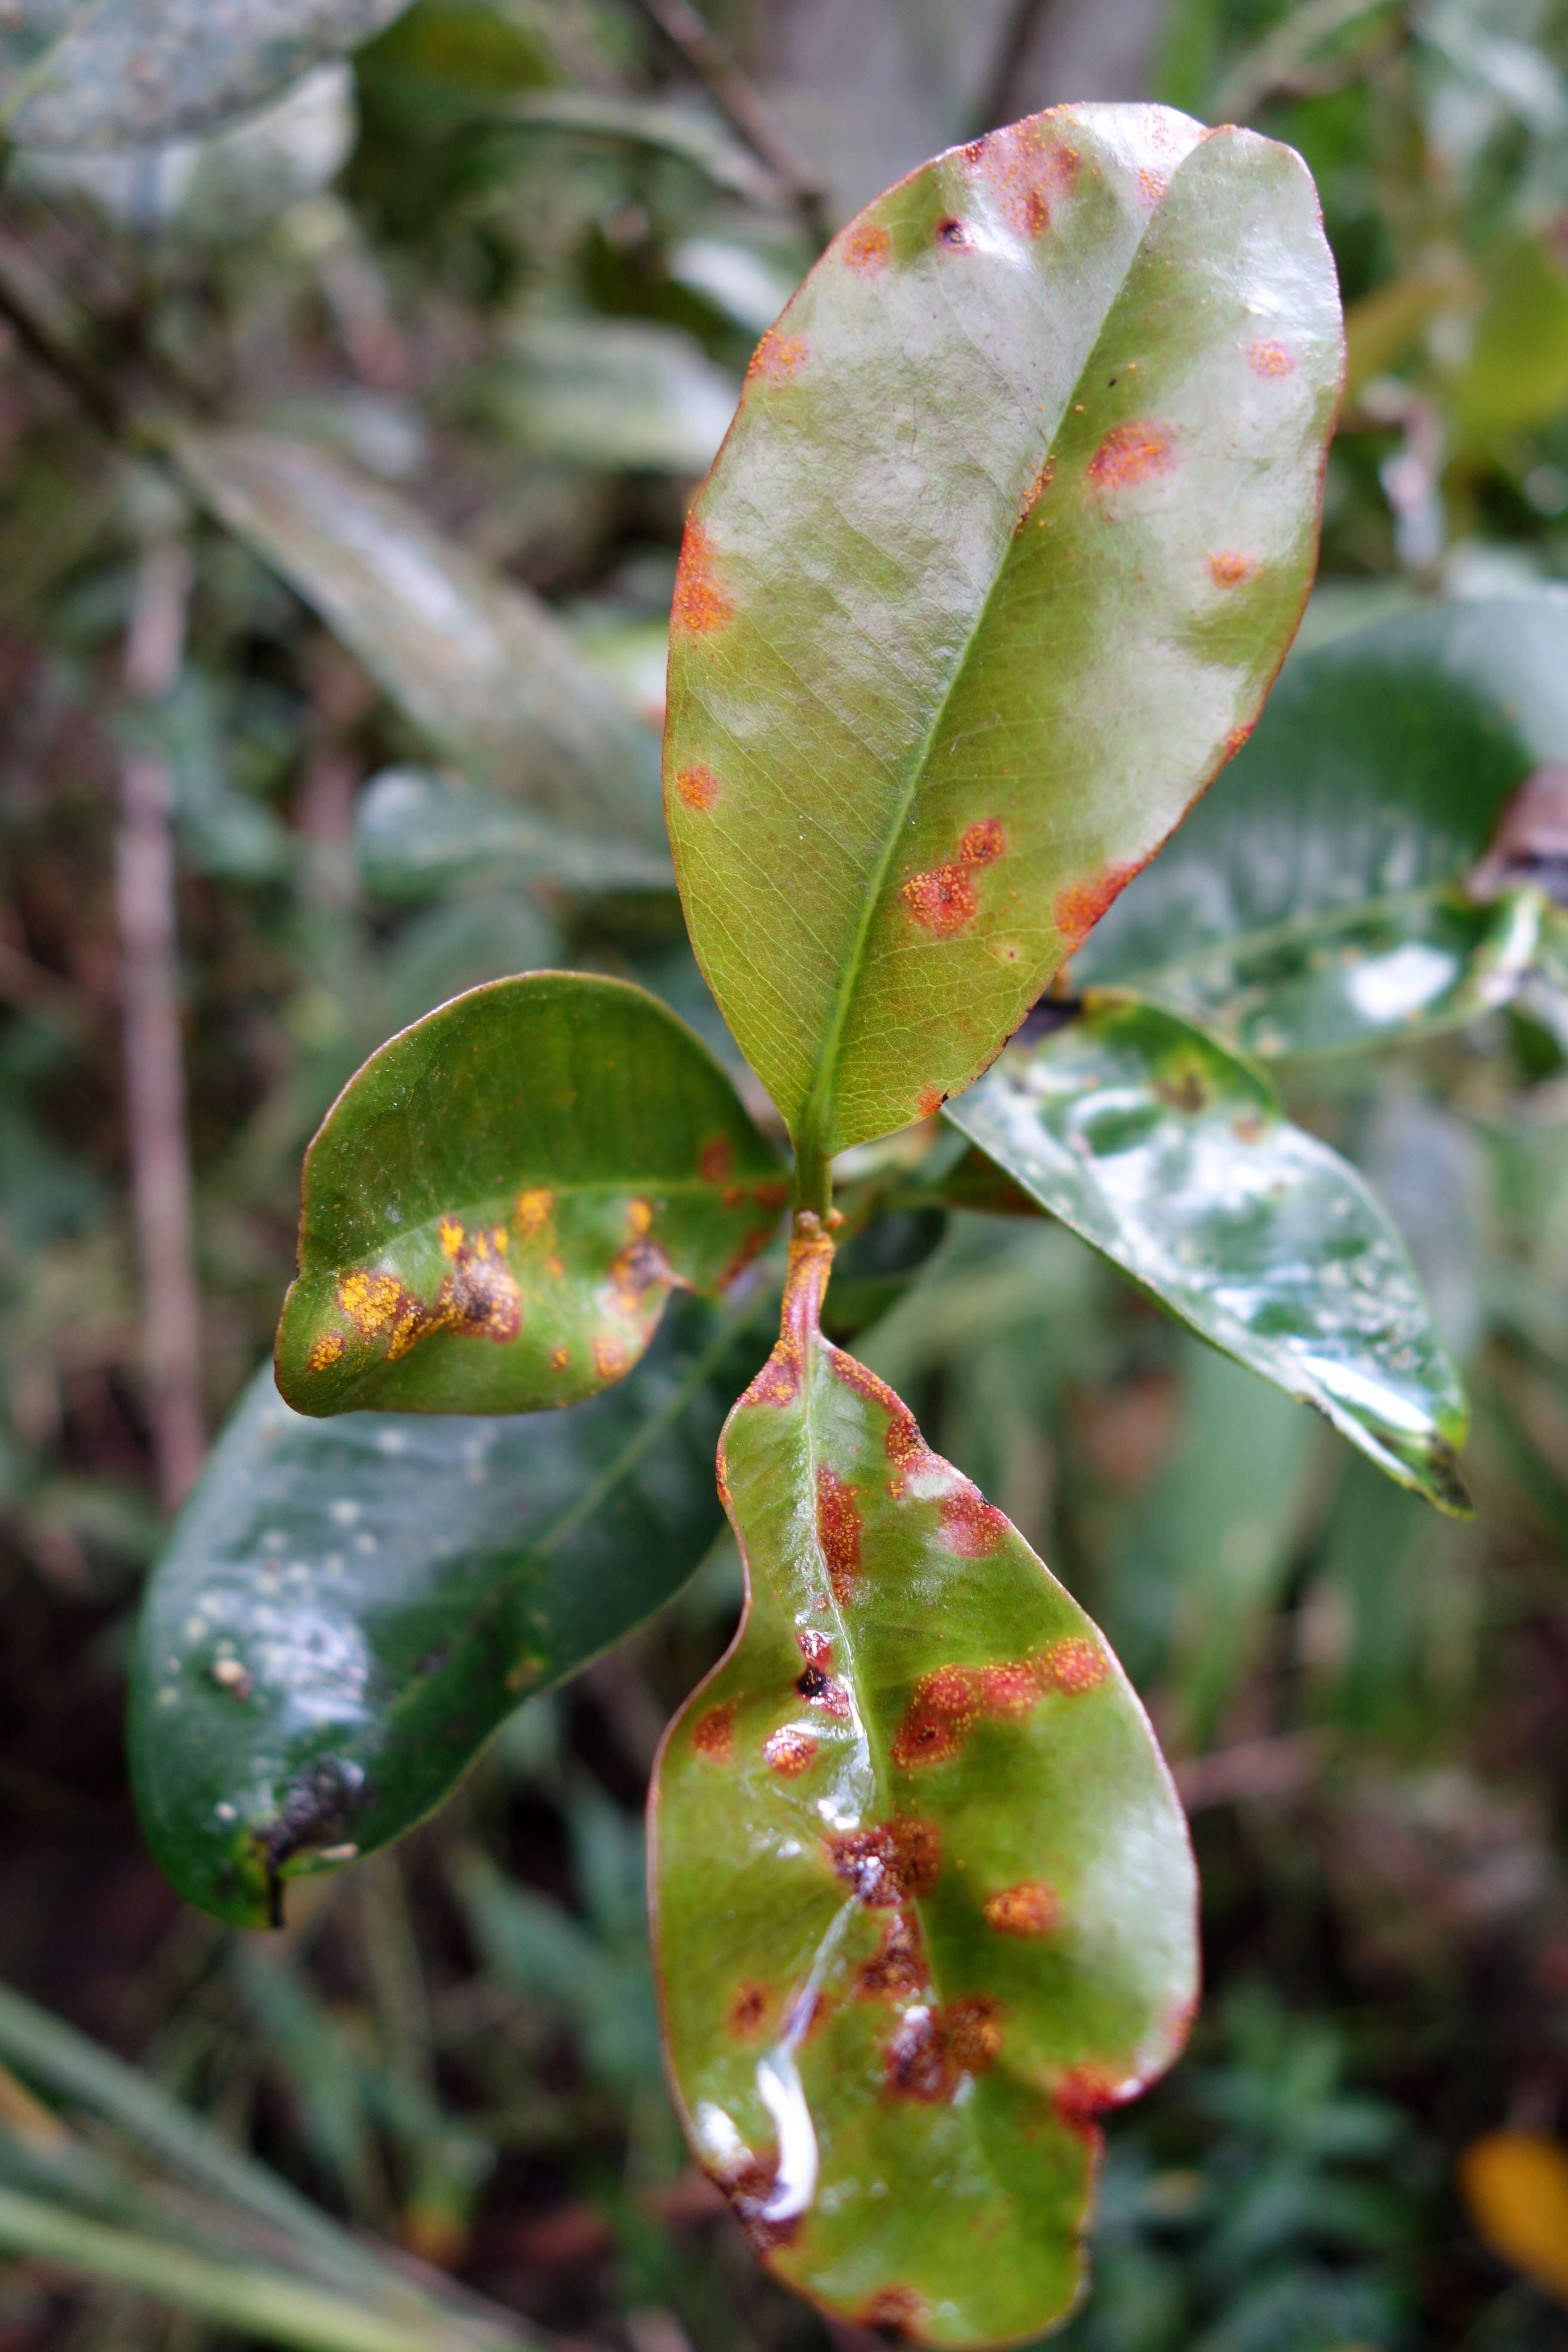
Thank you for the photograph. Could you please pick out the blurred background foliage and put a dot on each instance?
(505, 266)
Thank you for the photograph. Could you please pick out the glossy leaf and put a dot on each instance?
(417, 834)
(1382, 765)
(349, 1608)
(1007, 540)
(125, 73)
(478, 665)
(499, 1203)
(924, 1900)
(1170, 1154)
(1390, 971)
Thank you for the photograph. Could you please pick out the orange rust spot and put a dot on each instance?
(1267, 357)
(969, 1525)
(1037, 490)
(904, 1443)
(1081, 2096)
(984, 843)
(639, 1217)
(554, 1269)
(370, 1301)
(700, 603)
(747, 2011)
(1079, 907)
(800, 1323)
(895, 1862)
(698, 787)
(559, 1358)
(929, 1101)
(894, 2306)
(778, 1382)
(732, 1196)
(327, 1349)
(716, 1161)
(939, 1717)
(1011, 1689)
(714, 1734)
(941, 901)
(898, 1970)
(609, 1357)
(640, 1267)
(867, 247)
(451, 1236)
(1022, 167)
(1030, 1909)
(975, 2033)
(789, 1751)
(838, 1532)
(1132, 453)
(776, 356)
(479, 1298)
(919, 2062)
(1074, 1665)
(533, 1211)
(1228, 569)
(773, 1194)
(1236, 738)
(1152, 186)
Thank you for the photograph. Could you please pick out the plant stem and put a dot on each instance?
(738, 102)
(998, 101)
(154, 1071)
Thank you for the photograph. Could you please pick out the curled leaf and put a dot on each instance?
(499, 1203)
(923, 1896)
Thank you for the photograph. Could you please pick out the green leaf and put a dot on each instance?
(349, 1608)
(1010, 533)
(1380, 767)
(1516, 372)
(606, 393)
(1399, 969)
(417, 834)
(499, 1203)
(477, 663)
(1170, 1156)
(125, 73)
(691, 138)
(924, 1900)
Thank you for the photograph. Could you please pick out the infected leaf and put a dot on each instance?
(927, 1907)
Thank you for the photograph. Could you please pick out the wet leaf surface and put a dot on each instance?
(924, 1901)
(478, 664)
(1170, 1155)
(349, 1608)
(499, 1204)
(129, 72)
(1013, 527)
(1382, 766)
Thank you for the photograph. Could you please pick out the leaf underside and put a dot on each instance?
(499, 1203)
(1010, 536)
(1170, 1155)
(349, 1608)
(923, 1897)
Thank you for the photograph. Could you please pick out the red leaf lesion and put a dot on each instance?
(698, 787)
(838, 1532)
(1267, 357)
(866, 246)
(892, 1863)
(700, 604)
(1079, 907)
(776, 356)
(1133, 453)
(714, 1734)
(942, 901)
(789, 1751)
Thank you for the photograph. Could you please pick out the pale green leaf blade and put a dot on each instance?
(1169, 1154)
(417, 833)
(923, 1896)
(1007, 540)
(501, 1202)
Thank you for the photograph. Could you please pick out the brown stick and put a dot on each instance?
(154, 1071)
(738, 102)
(998, 101)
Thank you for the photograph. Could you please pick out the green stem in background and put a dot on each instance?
(813, 1177)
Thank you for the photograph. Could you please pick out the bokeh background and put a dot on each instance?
(510, 261)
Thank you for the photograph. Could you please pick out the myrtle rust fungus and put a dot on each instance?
(747, 2011)
(1081, 2097)
(789, 1751)
(559, 1358)
(609, 1357)
(700, 603)
(1267, 357)
(1030, 1909)
(640, 1267)
(1132, 453)
(919, 2063)
(800, 1319)
(1074, 1665)
(639, 1217)
(941, 901)
(950, 1700)
(984, 843)
(533, 1211)
(715, 1161)
(838, 1532)
(1236, 738)
(929, 1101)
(776, 356)
(969, 1525)
(893, 1862)
(1079, 907)
(1022, 167)
(973, 2031)
(1228, 569)
(1153, 187)
(325, 1350)
(952, 233)
(714, 1734)
(479, 1298)
(893, 2306)
(867, 247)
(1012, 1688)
(897, 1969)
(698, 787)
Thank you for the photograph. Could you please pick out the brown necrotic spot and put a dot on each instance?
(1081, 2096)
(698, 787)
(941, 901)
(714, 1734)
(897, 1969)
(973, 2029)
(776, 356)
(838, 1532)
(952, 233)
(1074, 1665)
(890, 1863)
(640, 1267)
(984, 843)
(1030, 1909)
(700, 604)
(789, 1751)
(747, 2011)
(1079, 907)
(1132, 453)
(1267, 357)
(919, 2062)
(867, 247)
(894, 2306)
(1228, 569)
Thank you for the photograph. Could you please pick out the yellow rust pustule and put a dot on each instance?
(800, 1318)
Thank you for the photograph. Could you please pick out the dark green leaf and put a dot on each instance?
(478, 665)
(499, 1203)
(1170, 1155)
(1013, 527)
(125, 73)
(349, 1608)
(417, 834)
(924, 1900)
